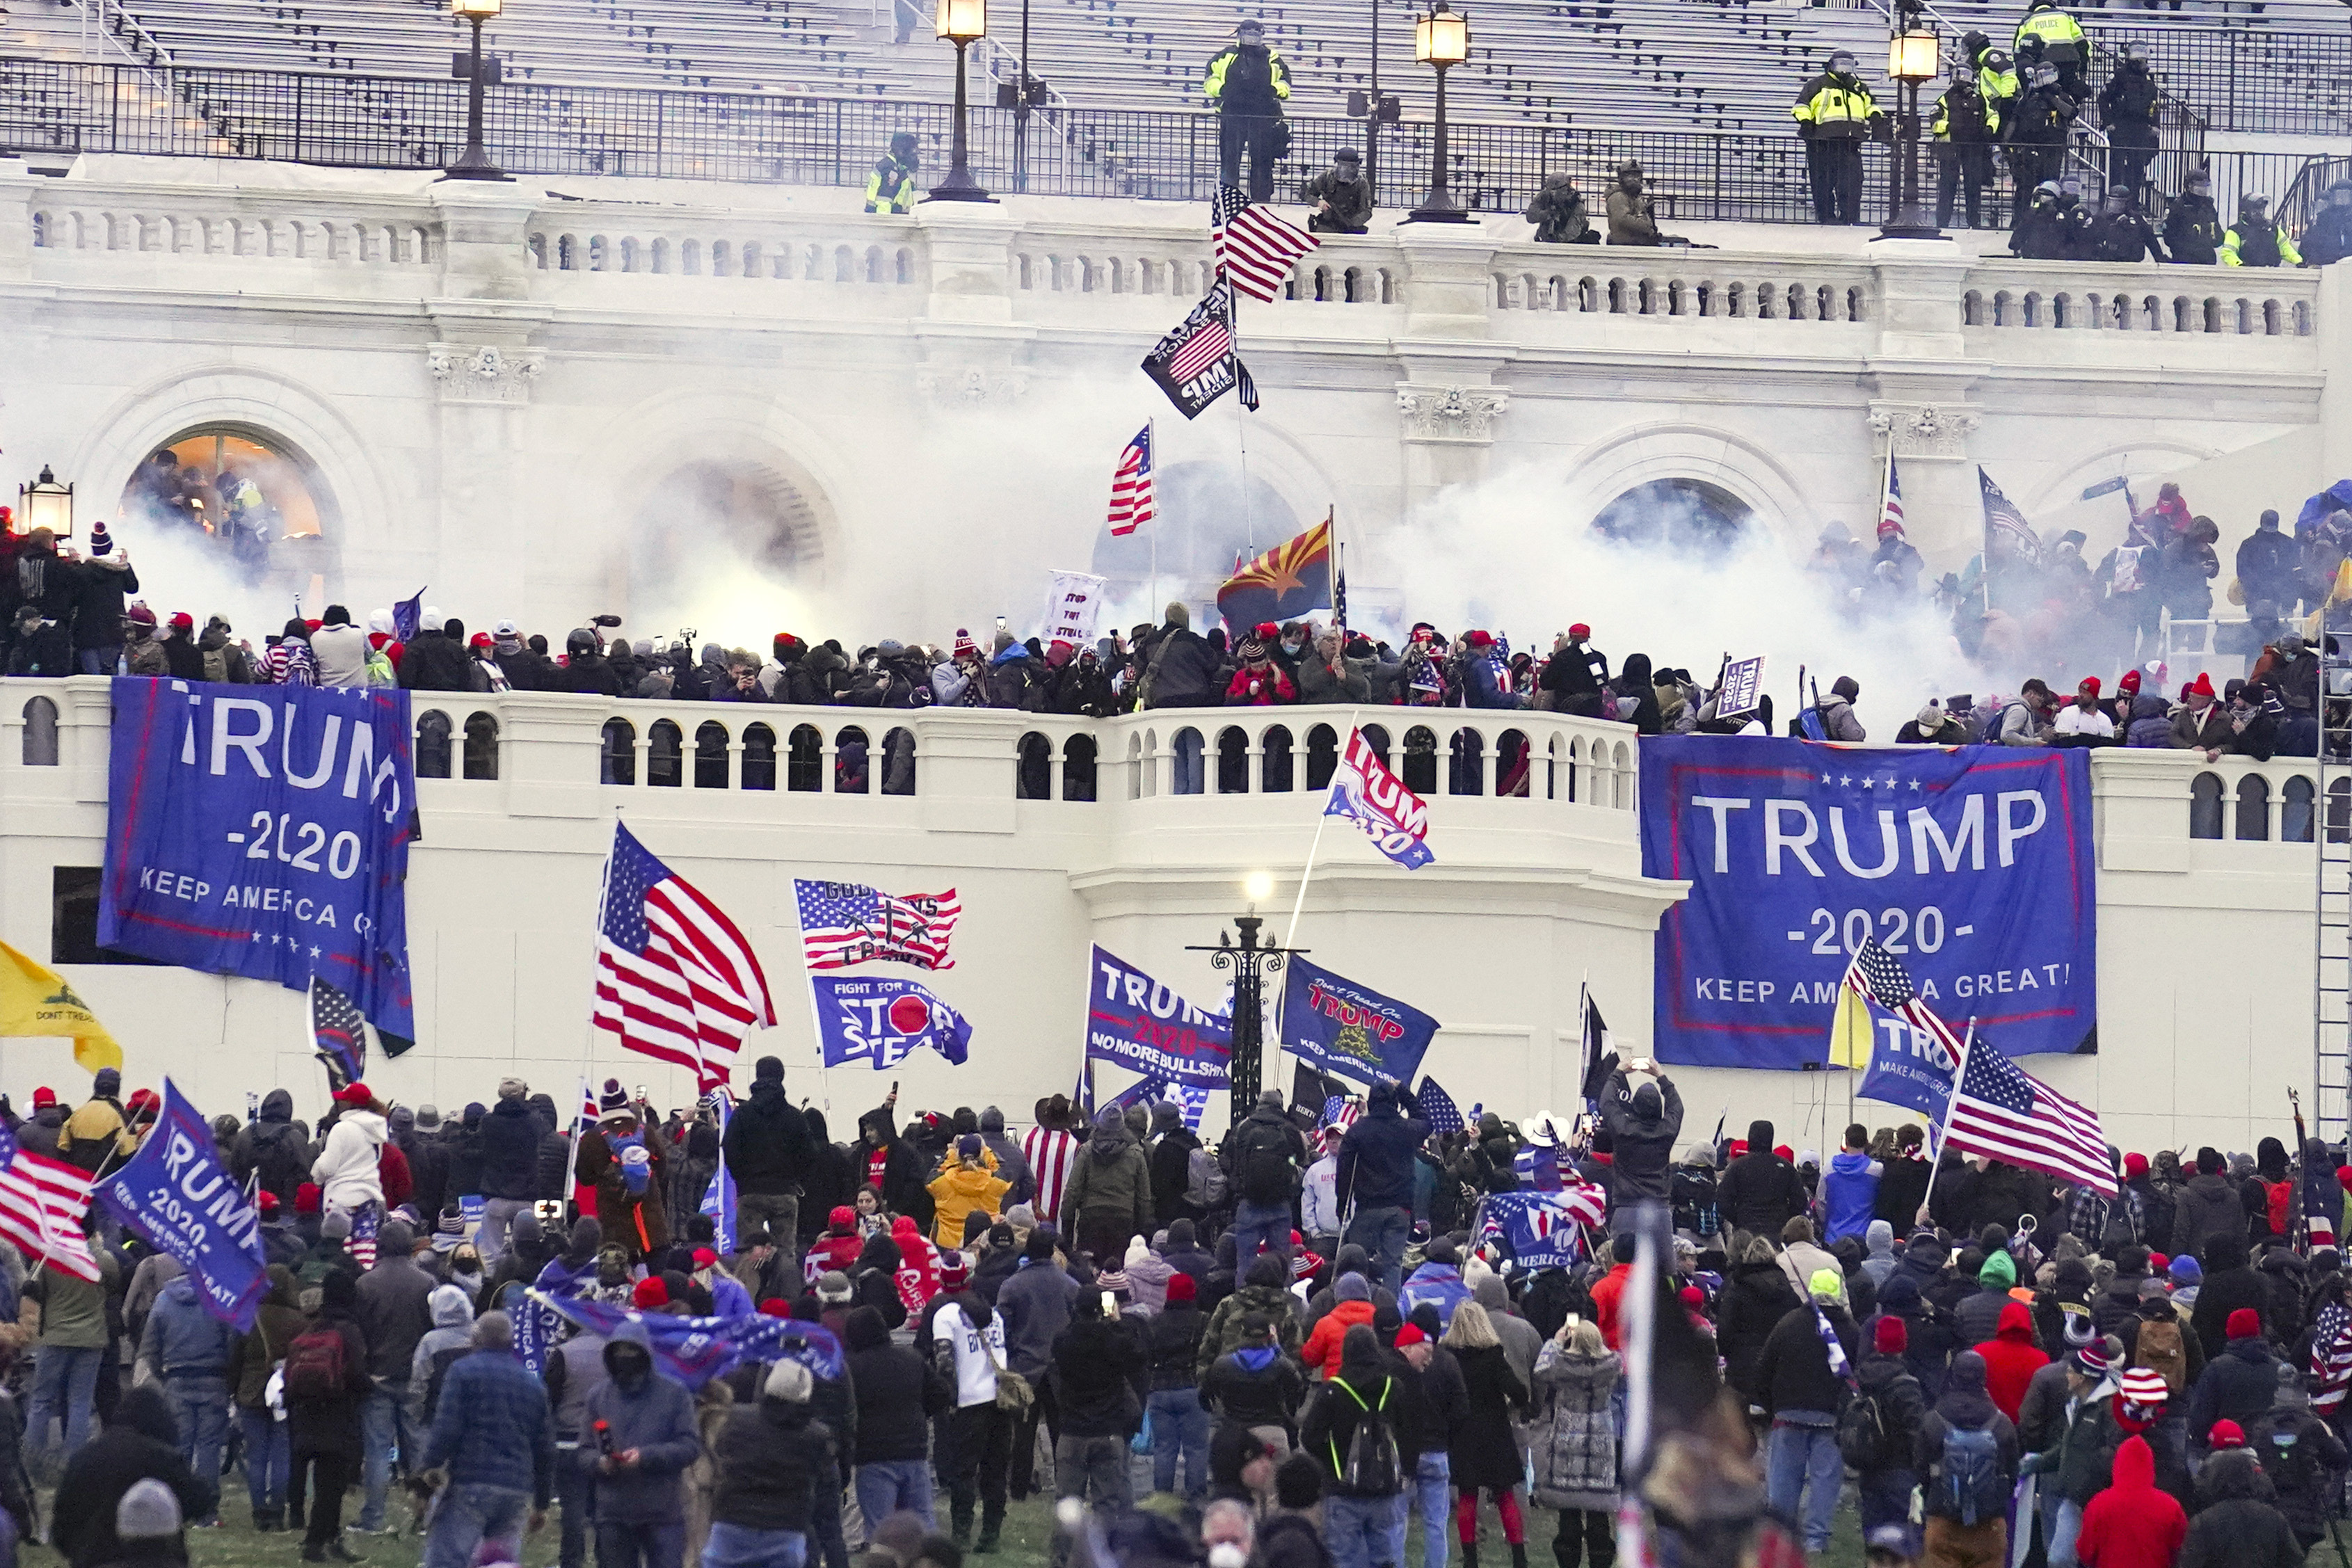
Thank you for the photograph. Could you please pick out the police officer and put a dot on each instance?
(1339, 200)
(1964, 127)
(1833, 113)
(2193, 224)
(2121, 232)
(2254, 241)
(2038, 236)
(1996, 81)
(2329, 237)
(2035, 135)
(890, 188)
(2127, 110)
(1248, 82)
(1559, 213)
(2059, 38)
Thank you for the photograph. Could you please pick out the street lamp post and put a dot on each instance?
(1441, 39)
(44, 503)
(1912, 57)
(1251, 962)
(474, 164)
(962, 23)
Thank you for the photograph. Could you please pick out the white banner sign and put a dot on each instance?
(1074, 603)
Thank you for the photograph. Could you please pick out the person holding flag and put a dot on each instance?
(1644, 1123)
(768, 1151)
(1375, 1178)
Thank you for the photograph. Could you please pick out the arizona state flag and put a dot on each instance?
(34, 1000)
(1281, 584)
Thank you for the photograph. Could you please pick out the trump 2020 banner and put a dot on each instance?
(1972, 866)
(1364, 792)
(882, 1022)
(263, 831)
(1338, 1027)
(176, 1196)
(1140, 1023)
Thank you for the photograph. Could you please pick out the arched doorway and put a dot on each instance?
(1206, 522)
(242, 497)
(1691, 516)
(719, 538)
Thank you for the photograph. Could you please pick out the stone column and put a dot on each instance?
(1927, 428)
(17, 190)
(482, 372)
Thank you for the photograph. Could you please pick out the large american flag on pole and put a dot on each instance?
(675, 978)
(1130, 485)
(1254, 245)
(2002, 1111)
(844, 923)
(1890, 511)
(42, 1205)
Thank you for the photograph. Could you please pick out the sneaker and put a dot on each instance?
(986, 1545)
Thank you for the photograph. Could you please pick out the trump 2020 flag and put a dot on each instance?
(178, 1198)
(1344, 1027)
(696, 1350)
(1144, 1025)
(718, 1198)
(881, 1021)
(1194, 364)
(1364, 792)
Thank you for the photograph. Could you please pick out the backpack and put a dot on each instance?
(2282, 1200)
(215, 662)
(314, 1365)
(1971, 1489)
(1204, 1184)
(1373, 1466)
(443, 1359)
(379, 668)
(1861, 1431)
(1262, 1162)
(2157, 1348)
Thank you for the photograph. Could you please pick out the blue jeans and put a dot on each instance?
(1382, 1234)
(267, 1461)
(886, 1487)
(739, 1546)
(1797, 1455)
(1432, 1493)
(384, 1424)
(200, 1409)
(1886, 1497)
(468, 1513)
(643, 1546)
(1259, 1227)
(65, 1388)
(1180, 1429)
(2064, 1528)
(1361, 1533)
(100, 660)
(575, 1495)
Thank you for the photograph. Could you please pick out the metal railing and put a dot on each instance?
(2296, 83)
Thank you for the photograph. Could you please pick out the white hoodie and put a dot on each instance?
(1321, 1197)
(346, 1169)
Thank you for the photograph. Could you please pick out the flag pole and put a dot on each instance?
(603, 897)
(1944, 1132)
(816, 1019)
(1151, 444)
(1298, 904)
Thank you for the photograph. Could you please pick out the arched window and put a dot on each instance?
(1079, 768)
(1033, 777)
(759, 757)
(1511, 765)
(1186, 762)
(1621, 780)
(850, 763)
(40, 733)
(1273, 763)
(2294, 810)
(898, 762)
(1466, 773)
(1420, 769)
(432, 744)
(711, 755)
(481, 745)
(1232, 762)
(2205, 806)
(2254, 808)
(620, 761)
(1322, 755)
(804, 760)
(2339, 812)
(665, 755)
(1376, 736)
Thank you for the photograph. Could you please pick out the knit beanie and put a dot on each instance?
(1891, 1337)
(2245, 1323)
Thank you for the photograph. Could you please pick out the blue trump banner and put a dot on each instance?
(176, 1196)
(1910, 1067)
(1972, 863)
(263, 836)
(1338, 1027)
(696, 1350)
(1138, 1022)
(882, 1022)
(719, 1199)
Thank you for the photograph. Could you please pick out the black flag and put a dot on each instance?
(1599, 1053)
(1194, 364)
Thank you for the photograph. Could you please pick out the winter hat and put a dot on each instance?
(2226, 1433)
(2291, 1394)
(1181, 1287)
(2185, 1271)
(968, 1147)
(954, 1273)
(964, 646)
(1020, 1216)
(833, 1288)
(428, 1118)
(650, 1293)
(1999, 1270)
(2134, 1165)
(1411, 1334)
(149, 1510)
(100, 541)
(1826, 1285)
(306, 1198)
(2145, 1385)
(2202, 686)
(2245, 1323)
(513, 1089)
(267, 1202)
(842, 1220)
(1891, 1337)
(1352, 1288)
(336, 1225)
(2152, 1288)
(788, 1381)
(2091, 1360)
(1931, 717)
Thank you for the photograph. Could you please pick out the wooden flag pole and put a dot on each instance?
(1944, 1132)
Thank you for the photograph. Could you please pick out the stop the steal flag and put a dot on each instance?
(883, 1021)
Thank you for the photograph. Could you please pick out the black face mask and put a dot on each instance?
(631, 1367)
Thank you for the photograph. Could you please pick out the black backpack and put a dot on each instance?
(443, 1359)
(1263, 1166)
(1861, 1431)
(1373, 1466)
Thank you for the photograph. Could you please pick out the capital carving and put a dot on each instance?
(1921, 429)
(1458, 415)
(971, 386)
(484, 372)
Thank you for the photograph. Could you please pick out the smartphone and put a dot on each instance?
(1573, 1320)
(894, 1089)
(1109, 1305)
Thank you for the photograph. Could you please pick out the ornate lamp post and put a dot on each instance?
(962, 23)
(475, 163)
(1440, 39)
(1912, 57)
(44, 503)
(1251, 962)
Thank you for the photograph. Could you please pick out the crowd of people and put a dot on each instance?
(1308, 1334)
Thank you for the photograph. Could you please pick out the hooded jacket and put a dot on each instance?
(141, 1443)
(2131, 1524)
(1010, 1163)
(1849, 1195)
(1099, 1377)
(2210, 1205)
(450, 1337)
(897, 1390)
(1643, 1124)
(492, 1427)
(1879, 1259)
(1752, 1305)
(183, 1340)
(1376, 1156)
(257, 1353)
(2236, 1524)
(272, 1147)
(1964, 1404)
(346, 1169)
(511, 1135)
(1759, 1192)
(902, 1174)
(1574, 1442)
(653, 1413)
(1109, 1180)
(1793, 1373)
(2236, 1386)
(961, 1189)
(1035, 1305)
(2012, 1357)
(1902, 1188)
(769, 1458)
(768, 1141)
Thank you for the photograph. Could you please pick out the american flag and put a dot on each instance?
(675, 978)
(1437, 1109)
(42, 1205)
(1891, 509)
(1245, 388)
(1880, 976)
(1252, 245)
(2331, 1359)
(1130, 485)
(844, 923)
(2004, 1113)
(1204, 348)
(338, 1035)
(2002, 518)
(1339, 1111)
(1050, 1153)
(360, 1245)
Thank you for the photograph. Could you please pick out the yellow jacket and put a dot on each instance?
(2057, 30)
(1834, 105)
(2233, 255)
(959, 1189)
(1212, 86)
(96, 1125)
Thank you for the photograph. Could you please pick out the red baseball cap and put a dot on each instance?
(44, 1096)
(354, 1093)
(650, 1293)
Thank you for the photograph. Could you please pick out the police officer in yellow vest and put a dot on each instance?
(1248, 82)
(890, 188)
(1834, 113)
(2058, 38)
(2254, 241)
(1997, 79)
(1964, 127)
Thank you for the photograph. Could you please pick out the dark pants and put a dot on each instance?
(1024, 1440)
(1964, 169)
(2127, 161)
(1592, 1530)
(1256, 133)
(2028, 167)
(1886, 1497)
(1835, 164)
(824, 1521)
(983, 1451)
(328, 1474)
(575, 1495)
(781, 1213)
(640, 1546)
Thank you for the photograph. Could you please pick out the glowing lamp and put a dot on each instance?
(44, 503)
(1440, 38)
(963, 21)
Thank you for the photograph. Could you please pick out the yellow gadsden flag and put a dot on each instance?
(36, 1000)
